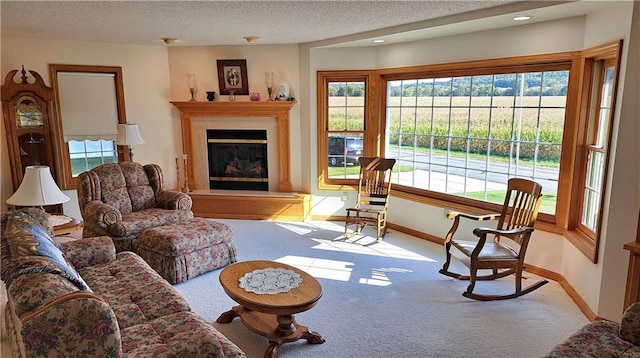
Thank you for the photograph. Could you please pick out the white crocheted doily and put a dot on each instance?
(270, 281)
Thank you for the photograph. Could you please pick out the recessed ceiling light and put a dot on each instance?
(522, 18)
(169, 40)
(378, 41)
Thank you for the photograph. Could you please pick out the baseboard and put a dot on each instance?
(573, 294)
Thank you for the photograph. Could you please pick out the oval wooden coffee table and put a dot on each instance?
(271, 315)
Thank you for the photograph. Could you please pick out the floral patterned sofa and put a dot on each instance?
(81, 299)
(121, 200)
(604, 338)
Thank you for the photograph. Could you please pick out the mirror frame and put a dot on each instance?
(65, 177)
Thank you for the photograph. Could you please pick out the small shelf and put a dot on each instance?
(237, 108)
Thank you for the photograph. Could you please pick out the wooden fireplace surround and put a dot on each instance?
(288, 206)
(270, 109)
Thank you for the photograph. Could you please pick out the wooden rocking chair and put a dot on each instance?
(515, 222)
(372, 202)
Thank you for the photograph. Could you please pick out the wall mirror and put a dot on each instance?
(90, 105)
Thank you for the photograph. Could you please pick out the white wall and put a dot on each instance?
(145, 72)
(545, 37)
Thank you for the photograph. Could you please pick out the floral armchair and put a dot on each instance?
(121, 200)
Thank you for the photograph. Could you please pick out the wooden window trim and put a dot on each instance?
(587, 241)
(62, 158)
(533, 63)
(371, 139)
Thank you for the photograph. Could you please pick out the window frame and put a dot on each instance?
(62, 155)
(541, 63)
(371, 139)
(586, 240)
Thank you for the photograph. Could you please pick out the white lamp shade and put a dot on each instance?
(37, 189)
(129, 134)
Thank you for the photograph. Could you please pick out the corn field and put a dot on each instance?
(478, 125)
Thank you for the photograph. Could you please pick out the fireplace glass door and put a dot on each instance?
(237, 159)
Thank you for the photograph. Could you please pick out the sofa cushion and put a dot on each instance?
(630, 324)
(113, 187)
(134, 291)
(181, 334)
(185, 237)
(595, 339)
(140, 191)
(134, 223)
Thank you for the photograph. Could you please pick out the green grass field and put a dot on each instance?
(548, 204)
(79, 165)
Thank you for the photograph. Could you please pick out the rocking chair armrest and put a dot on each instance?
(483, 231)
(454, 214)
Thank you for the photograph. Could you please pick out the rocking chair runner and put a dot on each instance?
(373, 196)
(519, 213)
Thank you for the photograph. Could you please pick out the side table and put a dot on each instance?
(63, 224)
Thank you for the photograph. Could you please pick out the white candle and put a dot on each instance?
(184, 156)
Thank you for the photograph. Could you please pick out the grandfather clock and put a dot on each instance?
(28, 113)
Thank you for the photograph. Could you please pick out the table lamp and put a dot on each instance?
(37, 189)
(129, 135)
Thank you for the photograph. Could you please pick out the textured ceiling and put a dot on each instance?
(219, 22)
(319, 23)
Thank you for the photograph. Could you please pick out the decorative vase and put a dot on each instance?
(192, 80)
(254, 96)
(211, 95)
(283, 92)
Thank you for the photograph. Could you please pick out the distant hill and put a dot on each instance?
(552, 83)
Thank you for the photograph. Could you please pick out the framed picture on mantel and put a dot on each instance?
(232, 76)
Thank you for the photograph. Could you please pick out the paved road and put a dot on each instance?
(492, 172)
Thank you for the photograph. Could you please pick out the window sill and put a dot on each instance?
(541, 224)
(584, 243)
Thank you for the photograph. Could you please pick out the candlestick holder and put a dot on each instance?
(193, 86)
(269, 81)
(178, 174)
(186, 175)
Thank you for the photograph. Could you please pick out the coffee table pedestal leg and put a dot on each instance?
(278, 329)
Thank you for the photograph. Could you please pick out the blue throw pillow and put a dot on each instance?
(27, 248)
(48, 248)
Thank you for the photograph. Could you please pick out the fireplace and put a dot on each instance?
(280, 203)
(237, 159)
(197, 117)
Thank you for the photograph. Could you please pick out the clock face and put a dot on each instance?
(28, 113)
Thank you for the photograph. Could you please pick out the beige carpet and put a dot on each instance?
(387, 299)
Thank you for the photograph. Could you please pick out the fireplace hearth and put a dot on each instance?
(237, 159)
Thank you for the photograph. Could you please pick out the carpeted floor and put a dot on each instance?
(387, 299)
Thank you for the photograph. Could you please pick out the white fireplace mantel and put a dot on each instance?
(266, 109)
